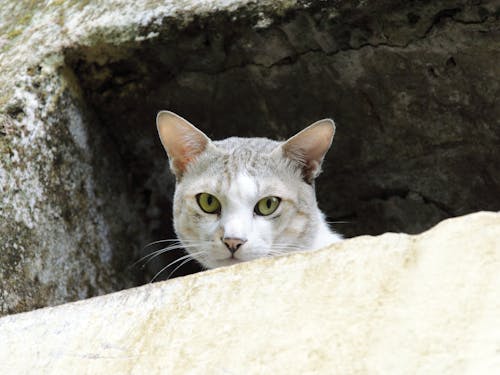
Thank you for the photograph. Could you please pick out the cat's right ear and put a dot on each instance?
(182, 140)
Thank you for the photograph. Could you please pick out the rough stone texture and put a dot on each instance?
(71, 221)
(413, 87)
(393, 304)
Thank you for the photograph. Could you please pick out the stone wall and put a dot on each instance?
(413, 88)
(393, 304)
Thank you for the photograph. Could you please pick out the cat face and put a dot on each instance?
(243, 198)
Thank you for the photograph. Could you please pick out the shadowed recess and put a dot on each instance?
(413, 91)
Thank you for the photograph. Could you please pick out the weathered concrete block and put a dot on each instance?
(393, 304)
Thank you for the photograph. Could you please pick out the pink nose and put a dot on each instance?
(233, 244)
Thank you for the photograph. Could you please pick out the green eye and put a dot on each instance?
(208, 203)
(266, 206)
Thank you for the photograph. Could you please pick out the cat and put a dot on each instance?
(240, 199)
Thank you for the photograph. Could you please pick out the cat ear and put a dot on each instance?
(182, 140)
(309, 147)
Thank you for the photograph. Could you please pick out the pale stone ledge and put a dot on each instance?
(393, 304)
(84, 184)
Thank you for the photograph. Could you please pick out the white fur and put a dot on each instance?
(239, 172)
(265, 235)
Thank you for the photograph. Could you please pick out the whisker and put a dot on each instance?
(160, 241)
(276, 254)
(283, 249)
(165, 250)
(170, 240)
(172, 263)
(156, 253)
(179, 266)
(288, 247)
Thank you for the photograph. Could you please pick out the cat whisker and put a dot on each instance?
(157, 253)
(283, 249)
(159, 241)
(171, 248)
(202, 258)
(273, 254)
(339, 222)
(279, 251)
(290, 247)
(175, 261)
(179, 266)
(168, 240)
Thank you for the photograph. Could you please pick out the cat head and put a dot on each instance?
(243, 198)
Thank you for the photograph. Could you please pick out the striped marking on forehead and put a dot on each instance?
(244, 161)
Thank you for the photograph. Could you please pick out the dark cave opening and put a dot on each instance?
(415, 140)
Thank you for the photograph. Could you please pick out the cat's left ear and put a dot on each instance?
(182, 140)
(308, 147)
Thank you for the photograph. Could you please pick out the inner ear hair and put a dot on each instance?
(182, 141)
(309, 147)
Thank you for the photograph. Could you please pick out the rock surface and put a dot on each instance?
(71, 220)
(413, 87)
(393, 304)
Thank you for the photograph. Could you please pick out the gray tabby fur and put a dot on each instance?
(240, 172)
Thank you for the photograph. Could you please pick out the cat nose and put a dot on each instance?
(233, 244)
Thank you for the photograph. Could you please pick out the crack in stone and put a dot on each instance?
(292, 59)
(439, 205)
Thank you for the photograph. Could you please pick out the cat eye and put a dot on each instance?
(208, 203)
(266, 206)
